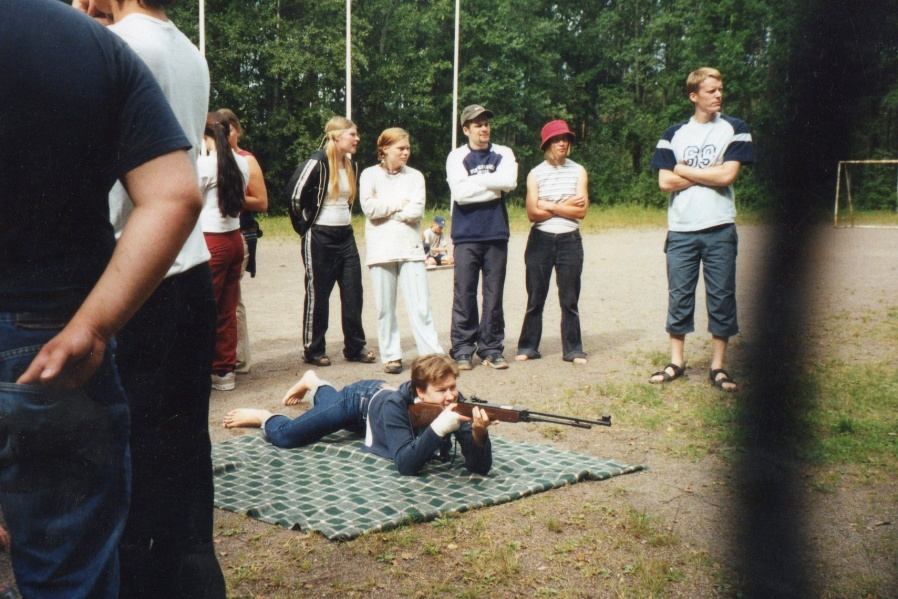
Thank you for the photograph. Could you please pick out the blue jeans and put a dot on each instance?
(715, 251)
(563, 253)
(331, 411)
(64, 470)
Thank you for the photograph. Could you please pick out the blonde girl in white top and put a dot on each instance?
(323, 189)
(392, 197)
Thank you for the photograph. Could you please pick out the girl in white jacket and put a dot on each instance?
(392, 196)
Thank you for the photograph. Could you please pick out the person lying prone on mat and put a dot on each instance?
(380, 413)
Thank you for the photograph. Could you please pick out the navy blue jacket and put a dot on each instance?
(394, 438)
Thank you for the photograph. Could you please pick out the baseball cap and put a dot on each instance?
(554, 129)
(472, 111)
(439, 220)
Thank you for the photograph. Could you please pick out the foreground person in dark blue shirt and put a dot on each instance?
(380, 413)
(80, 110)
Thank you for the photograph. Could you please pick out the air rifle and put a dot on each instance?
(422, 414)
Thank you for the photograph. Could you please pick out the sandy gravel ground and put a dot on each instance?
(623, 308)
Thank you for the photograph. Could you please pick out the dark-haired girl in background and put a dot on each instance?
(223, 176)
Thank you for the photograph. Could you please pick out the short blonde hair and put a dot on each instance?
(431, 369)
(388, 137)
(695, 78)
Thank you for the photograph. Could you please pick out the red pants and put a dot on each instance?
(226, 264)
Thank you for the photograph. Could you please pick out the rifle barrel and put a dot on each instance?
(544, 417)
(527, 415)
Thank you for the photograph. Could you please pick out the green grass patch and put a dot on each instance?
(853, 415)
(600, 218)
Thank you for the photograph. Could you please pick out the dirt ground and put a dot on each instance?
(622, 306)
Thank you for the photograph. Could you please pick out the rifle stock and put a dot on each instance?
(422, 414)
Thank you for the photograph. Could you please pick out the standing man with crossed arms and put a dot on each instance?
(479, 174)
(697, 163)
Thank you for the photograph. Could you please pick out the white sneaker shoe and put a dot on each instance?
(226, 382)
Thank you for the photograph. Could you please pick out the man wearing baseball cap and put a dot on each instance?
(479, 173)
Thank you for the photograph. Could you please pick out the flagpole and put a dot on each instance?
(203, 27)
(455, 81)
(349, 59)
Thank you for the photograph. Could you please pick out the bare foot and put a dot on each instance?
(246, 417)
(298, 391)
(579, 361)
(521, 358)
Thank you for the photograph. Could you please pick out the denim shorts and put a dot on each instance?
(64, 469)
(714, 251)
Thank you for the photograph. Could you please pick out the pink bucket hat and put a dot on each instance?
(554, 129)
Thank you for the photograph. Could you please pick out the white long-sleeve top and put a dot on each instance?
(393, 207)
(476, 176)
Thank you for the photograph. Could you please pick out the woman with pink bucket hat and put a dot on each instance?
(557, 200)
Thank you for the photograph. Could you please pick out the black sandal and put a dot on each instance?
(368, 357)
(678, 371)
(319, 361)
(720, 382)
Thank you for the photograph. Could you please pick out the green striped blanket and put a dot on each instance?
(336, 488)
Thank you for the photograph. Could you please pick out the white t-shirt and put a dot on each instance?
(554, 184)
(335, 209)
(183, 75)
(702, 145)
(211, 219)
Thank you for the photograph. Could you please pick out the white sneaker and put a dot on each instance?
(226, 382)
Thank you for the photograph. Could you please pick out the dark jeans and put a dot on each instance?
(165, 359)
(563, 253)
(64, 470)
(715, 251)
(331, 411)
(486, 334)
(330, 256)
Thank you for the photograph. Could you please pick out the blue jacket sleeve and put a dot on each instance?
(408, 452)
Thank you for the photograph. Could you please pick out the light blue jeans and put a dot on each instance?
(64, 470)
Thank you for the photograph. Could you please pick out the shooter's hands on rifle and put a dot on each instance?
(481, 421)
(448, 421)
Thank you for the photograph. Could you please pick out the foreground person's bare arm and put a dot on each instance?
(167, 203)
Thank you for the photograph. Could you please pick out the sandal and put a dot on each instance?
(393, 367)
(319, 361)
(723, 380)
(368, 357)
(678, 371)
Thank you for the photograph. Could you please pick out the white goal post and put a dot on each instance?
(843, 167)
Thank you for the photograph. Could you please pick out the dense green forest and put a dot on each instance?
(614, 68)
